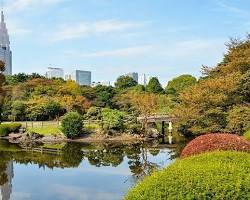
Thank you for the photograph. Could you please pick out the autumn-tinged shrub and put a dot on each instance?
(213, 175)
(213, 142)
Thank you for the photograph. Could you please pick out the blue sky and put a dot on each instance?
(163, 38)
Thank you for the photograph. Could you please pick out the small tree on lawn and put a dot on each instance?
(72, 124)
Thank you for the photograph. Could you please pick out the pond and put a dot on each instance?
(77, 170)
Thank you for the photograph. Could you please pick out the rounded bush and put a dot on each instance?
(72, 124)
(213, 142)
(213, 175)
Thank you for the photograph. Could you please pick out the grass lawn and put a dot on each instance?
(46, 130)
(247, 135)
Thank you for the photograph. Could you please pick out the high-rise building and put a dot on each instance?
(5, 52)
(133, 75)
(81, 77)
(6, 188)
(142, 79)
(54, 72)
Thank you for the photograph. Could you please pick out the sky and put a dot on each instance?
(163, 38)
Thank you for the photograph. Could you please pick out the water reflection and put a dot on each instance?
(76, 170)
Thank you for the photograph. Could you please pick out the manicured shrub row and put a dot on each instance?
(213, 142)
(6, 129)
(213, 175)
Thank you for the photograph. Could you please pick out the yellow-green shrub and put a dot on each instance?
(216, 175)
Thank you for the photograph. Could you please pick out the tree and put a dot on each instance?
(124, 82)
(72, 124)
(2, 80)
(18, 111)
(104, 96)
(146, 104)
(154, 86)
(180, 83)
(112, 120)
(239, 119)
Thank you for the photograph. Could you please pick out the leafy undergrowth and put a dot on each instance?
(213, 142)
(247, 135)
(213, 175)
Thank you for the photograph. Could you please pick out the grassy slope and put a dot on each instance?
(46, 130)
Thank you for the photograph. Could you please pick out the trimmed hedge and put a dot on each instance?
(6, 129)
(213, 142)
(214, 175)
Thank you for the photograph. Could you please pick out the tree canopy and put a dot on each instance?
(154, 86)
(124, 82)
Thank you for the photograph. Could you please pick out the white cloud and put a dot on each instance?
(123, 52)
(233, 9)
(183, 49)
(20, 5)
(84, 29)
(15, 29)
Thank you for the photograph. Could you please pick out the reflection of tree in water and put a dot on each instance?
(105, 155)
(72, 154)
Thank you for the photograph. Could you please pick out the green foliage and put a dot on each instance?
(93, 113)
(6, 129)
(112, 120)
(239, 119)
(18, 111)
(124, 82)
(247, 135)
(180, 83)
(72, 124)
(154, 86)
(216, 175)
(104, 95)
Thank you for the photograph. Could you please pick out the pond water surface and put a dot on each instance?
(77, 171)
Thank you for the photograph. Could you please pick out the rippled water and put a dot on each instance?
(76, 171)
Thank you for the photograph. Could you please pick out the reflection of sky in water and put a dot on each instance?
(86, 182)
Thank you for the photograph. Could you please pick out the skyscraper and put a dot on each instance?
(6, 188)
(54, 72)
(5, 52)
(133, 75)
(81, 77)
(142, 79)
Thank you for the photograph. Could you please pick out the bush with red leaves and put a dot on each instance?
(213, 142)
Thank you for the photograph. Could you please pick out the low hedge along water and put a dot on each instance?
(214, 175)
(6, 129)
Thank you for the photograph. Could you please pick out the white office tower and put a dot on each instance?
(53, 72)
(6, 189)
(5, 52)
(142, 79)
(81, 77)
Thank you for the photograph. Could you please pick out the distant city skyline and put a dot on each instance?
(160, 38)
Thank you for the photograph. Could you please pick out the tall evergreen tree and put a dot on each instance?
(154, 86)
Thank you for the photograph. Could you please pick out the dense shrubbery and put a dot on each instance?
(72, 124)
(216, 175)
(6, 129)
(213, 142)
